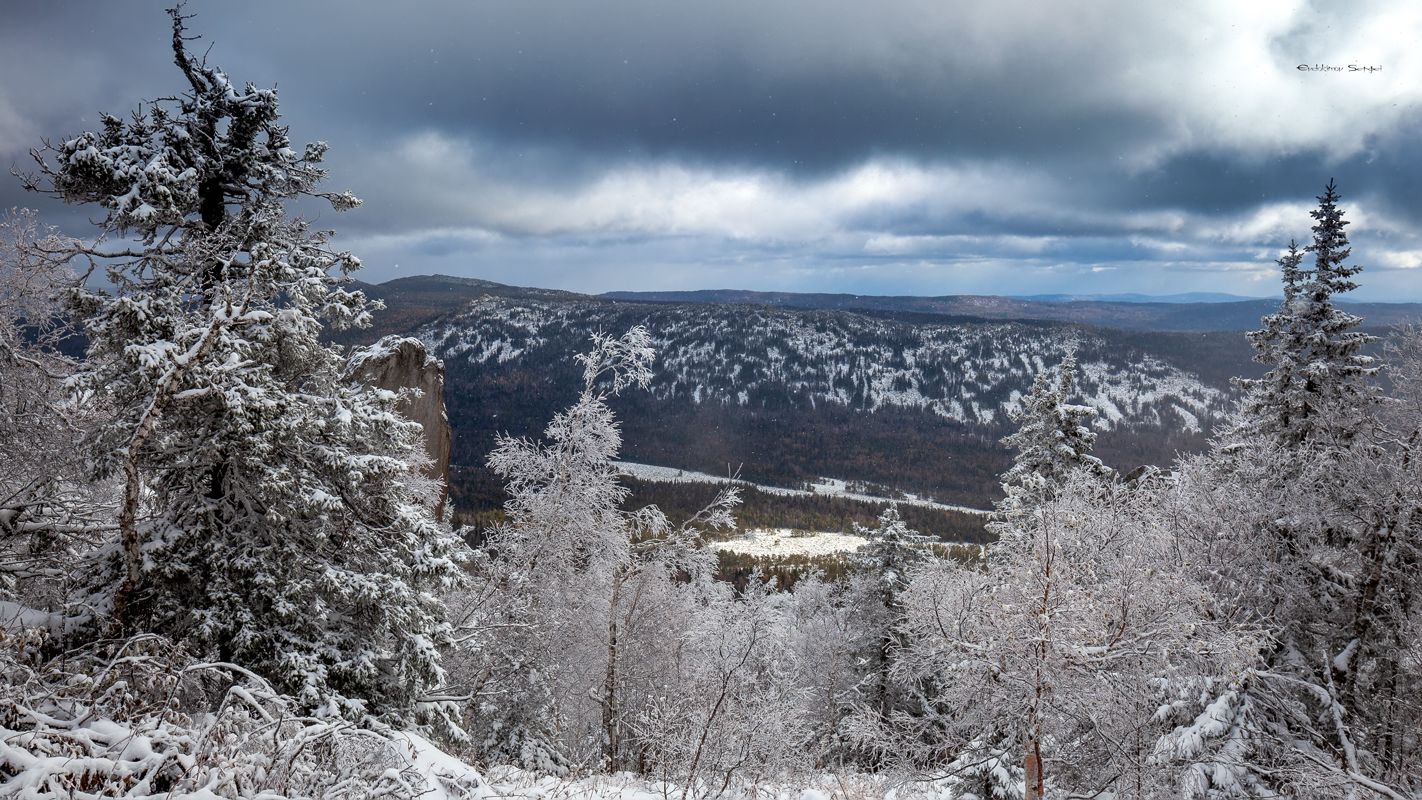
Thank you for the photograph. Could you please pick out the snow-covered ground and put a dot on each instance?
(824, 486)
(787, 542)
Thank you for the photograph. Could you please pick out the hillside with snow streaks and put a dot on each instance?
(828, 487)
(972, 373)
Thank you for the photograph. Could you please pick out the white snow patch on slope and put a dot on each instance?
(787, 542)
(444, 776)
(832, 487)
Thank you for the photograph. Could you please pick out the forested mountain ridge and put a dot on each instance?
(765, 358)
(913, 402)
(1157, 314)
(419, 299)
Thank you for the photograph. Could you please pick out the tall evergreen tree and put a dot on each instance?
(1316, 386)
(1053, 445)
(1052, 440)
(268, 514)
(885, 562)
(1326, 520)
(1269, 401)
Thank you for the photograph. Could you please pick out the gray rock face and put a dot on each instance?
(395, 363)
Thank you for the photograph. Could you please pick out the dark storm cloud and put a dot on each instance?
(1002, 143)
(735, 81)
(606, 79)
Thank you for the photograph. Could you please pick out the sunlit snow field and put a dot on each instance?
(787, 542)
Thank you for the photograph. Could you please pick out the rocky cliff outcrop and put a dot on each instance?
(395, 363)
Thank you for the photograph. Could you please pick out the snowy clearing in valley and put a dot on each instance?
(832, 487)
(787, 542)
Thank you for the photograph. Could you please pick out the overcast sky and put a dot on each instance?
(888, 148)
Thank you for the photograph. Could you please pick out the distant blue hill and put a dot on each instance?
(1128, 297)
(1182, 312)
(415, 300)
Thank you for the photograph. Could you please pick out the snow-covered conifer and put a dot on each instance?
(1051, 441)
(1316, 383)
(266, 514)
(891, 552)
(1319, 488)
(1269, 401)
(884, 566)
(1318, 546)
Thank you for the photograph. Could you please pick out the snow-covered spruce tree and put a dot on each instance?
(1269, 401)
(883, 567)
(1324, 562)
(1052, 445)
(1322, 504)
(1051, 441)
(1374, 495)
(266, 517)
(1315, 387)
(892, 551)
(1396, 683)
(1218, 740)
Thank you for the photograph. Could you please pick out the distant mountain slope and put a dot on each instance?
(416, 300)
(796, 395)
(1130, 315)
(1129, 297)
(760, 357)
(910, 395)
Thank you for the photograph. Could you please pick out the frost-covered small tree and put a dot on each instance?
(1404, 367)
(266, 515)
(534, 603)
(1048, 664)
(47, 509)
(581, 593)
(736, 716)
(827, 640)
